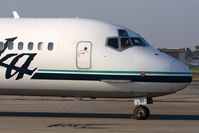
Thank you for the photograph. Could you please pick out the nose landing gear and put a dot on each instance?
(141, 112)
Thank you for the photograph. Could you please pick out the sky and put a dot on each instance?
(163, 23)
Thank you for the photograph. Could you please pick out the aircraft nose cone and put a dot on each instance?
(180, 67)
(183, 75)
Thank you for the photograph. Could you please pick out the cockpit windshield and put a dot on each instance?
(139, 41)
(123, 33)
(124, 41)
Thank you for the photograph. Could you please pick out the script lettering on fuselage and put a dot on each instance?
(11, 68)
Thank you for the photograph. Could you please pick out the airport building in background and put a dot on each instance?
(178, 53)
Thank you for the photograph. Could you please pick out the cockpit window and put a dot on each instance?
(113, 42)
(123, 33)
(139, 42)
(146, 43)
(125, 42)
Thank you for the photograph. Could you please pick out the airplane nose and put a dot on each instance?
(183, 75)
(180, 67)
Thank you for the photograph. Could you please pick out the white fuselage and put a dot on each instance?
(80, 64)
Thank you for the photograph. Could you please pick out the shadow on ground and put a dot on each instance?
(173, 117)
(98, 115)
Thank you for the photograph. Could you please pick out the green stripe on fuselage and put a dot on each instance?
(112, 72)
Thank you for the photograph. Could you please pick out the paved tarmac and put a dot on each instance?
(176, 113)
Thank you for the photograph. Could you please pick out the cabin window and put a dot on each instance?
(10, 45)
(20, 45)
(30, 46)
(123, 33)
(113, 42)
(1, 45)
(50, 46)
(40, 46)
(125, 42)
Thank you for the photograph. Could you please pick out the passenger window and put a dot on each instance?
(20, 45)
(113, 42)
(50, 46)
(1, 45)
(10, 45)
(125, 42)
(30, 46)
(40, 46)
(123, 33)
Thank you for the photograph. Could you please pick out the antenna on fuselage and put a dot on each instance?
(15, 14)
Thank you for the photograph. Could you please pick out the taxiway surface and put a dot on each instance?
(176, 113)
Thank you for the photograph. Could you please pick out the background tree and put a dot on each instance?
(189, 55)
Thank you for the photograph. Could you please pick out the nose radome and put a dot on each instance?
(182, 72)
(179, 66)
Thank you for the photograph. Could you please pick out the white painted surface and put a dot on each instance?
(66, 34)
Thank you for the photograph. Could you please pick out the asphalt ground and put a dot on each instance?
(176, 113)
